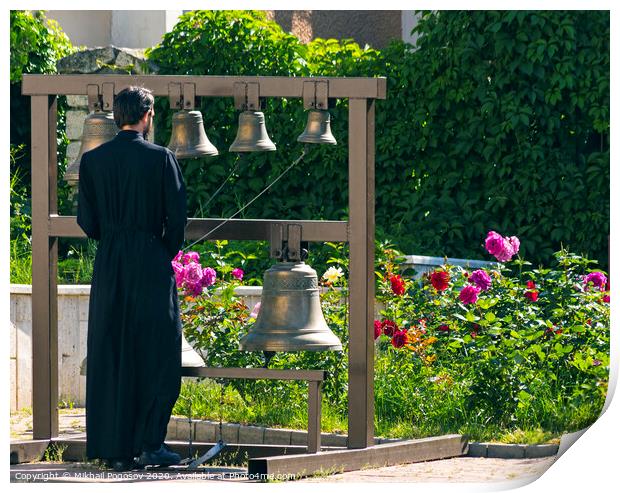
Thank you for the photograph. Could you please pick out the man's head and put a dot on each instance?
(133, 109)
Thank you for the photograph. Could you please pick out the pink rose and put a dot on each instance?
(494, 243)
(503, 248)
(179, 272)
(208, 277)
(598, 279)
(469, 294)
(193, 278)
(481, 279)
(190, 257)
(515, 243)
(237, 273)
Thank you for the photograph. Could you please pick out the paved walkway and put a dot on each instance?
(457, 470)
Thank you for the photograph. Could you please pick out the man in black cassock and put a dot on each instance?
(132, 200)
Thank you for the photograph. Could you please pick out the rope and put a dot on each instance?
(294, 163)
(237, 163)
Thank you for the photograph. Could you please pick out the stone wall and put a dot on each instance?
(373, 27)
(72, 333)
(73, 325)
(101, 60)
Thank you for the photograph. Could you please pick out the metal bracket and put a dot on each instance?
(286, 246)
(94, 99)
(293, 243)
(276, 241)
(246, 96)
(108, 96)
(315, 94)
(174, 94)
(189, 96)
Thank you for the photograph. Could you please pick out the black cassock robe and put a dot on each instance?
(132, 199)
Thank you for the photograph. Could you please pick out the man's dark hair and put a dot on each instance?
(131, 104)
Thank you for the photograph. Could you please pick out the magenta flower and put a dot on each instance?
(598, 279)
(606, 298)
(515, 243)
(193, 278)
(494, 243)
(179, 272)
(190, 257)
(502, 248)
(208, 277)
(469, 294)
(481, 279)
(237, 273)
(178, 256)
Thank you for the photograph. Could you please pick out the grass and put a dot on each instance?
(54, 453)
(424, 415)
(77, 268)
(201, 400)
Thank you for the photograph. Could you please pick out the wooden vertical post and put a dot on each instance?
(44, 270)
(361, 271)
(314, 416)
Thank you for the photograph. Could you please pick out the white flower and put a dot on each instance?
(332, 274)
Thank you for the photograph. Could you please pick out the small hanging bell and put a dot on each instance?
(290, 316)
(188, 138)
(252, 134)
(317, 130)
(99, 127)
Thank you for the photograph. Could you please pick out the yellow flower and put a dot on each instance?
(333, 274)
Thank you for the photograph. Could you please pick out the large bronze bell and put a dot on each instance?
(99, 127)
(290, 317)
(188, 138)
(252, 134)
(318, 130)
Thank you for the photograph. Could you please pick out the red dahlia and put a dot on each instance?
(389, 327)
(440, 280)
(377, 328)
(398, 285)
(399, 339)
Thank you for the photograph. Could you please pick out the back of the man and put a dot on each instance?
(132, 199)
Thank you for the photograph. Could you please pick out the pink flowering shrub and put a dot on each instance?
(192, 277)
(502, 248)
(508, 332)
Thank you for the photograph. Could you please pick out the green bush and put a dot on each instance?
(496, 120)
(500, 120)
(37, 44)
(528, 359)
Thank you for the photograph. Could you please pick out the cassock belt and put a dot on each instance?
(116, 229)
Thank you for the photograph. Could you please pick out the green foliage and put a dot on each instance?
(37, 43)
(505, 366)
(511, 360)
(501, 120)
(496, 120)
